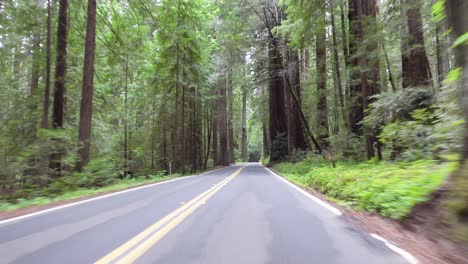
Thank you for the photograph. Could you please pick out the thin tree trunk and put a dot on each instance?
(415, 65)
(86, 109)
(296, 128)
(230, 116)
(336, 57)
(183, 131)
(46, 101)
(209, 136)
(244, 126)
(266, 132)
(321, 66)
(215, 124)
(45, 110)
(223, 130)
(60, 79)
(125, 120)
(176, 101)
(165, 144)
(442, 52)
(36, 48)
(389, 70)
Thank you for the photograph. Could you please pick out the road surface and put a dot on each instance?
(239, 214)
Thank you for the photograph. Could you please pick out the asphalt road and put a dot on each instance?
(239, 214)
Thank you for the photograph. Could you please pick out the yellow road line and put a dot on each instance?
(172, 220)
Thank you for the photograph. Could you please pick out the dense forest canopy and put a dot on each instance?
(96, 90)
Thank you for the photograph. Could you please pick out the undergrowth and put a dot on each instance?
(390, 189)
(47, 196)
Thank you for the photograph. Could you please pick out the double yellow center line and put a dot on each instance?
(130, 251)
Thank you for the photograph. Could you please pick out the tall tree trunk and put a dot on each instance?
(176, 100)
(336, 58)
(321, 66)
(458, 20)
(60, 79)
(175, 127)
(296, 131)
(209, 135)
(60, 66)
(442, 52)
(45, 109)
(278, 121)
(266, 132)
(125, 121)
(244, 126)
(356, 113)
(215, 124)
(36, 48)
(86, 110)
(415, 65)
(153, 133)
(346, 47)
(165, 161)
(230, 116)
(223, 129)
(46, 101)
(183, 157)
(364, 79)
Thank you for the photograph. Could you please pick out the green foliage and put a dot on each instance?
(65, 189)
(456, 205)
(416, 135)
(390, 189)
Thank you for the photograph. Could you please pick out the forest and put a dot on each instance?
(365, 101)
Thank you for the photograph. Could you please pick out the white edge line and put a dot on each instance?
(14, 219)
(312, 197)
(396, 249)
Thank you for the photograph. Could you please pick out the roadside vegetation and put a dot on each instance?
(94, 180)
(388, 188)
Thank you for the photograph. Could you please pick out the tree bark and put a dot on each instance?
(336, 57)
(364, 75)
(442, 48)
(176, 101)
(183, 153)
(244, 126)
(215, 124)
(266, 132)
(45, 109)
(230, 116)
(296, 130)
(321, 66)
(278, 121)
(457, 19)
(36, 48)
(209, 133)
(415, 65)
(60, 79)
(223, 129)
(61, 66)
(86, 110)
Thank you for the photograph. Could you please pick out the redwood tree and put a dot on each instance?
(60, 79)
(86, 109)
(415, 65)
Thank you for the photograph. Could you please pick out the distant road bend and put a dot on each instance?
(235, 215)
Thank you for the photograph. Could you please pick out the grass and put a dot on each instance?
(390, 189)
(82, 192)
